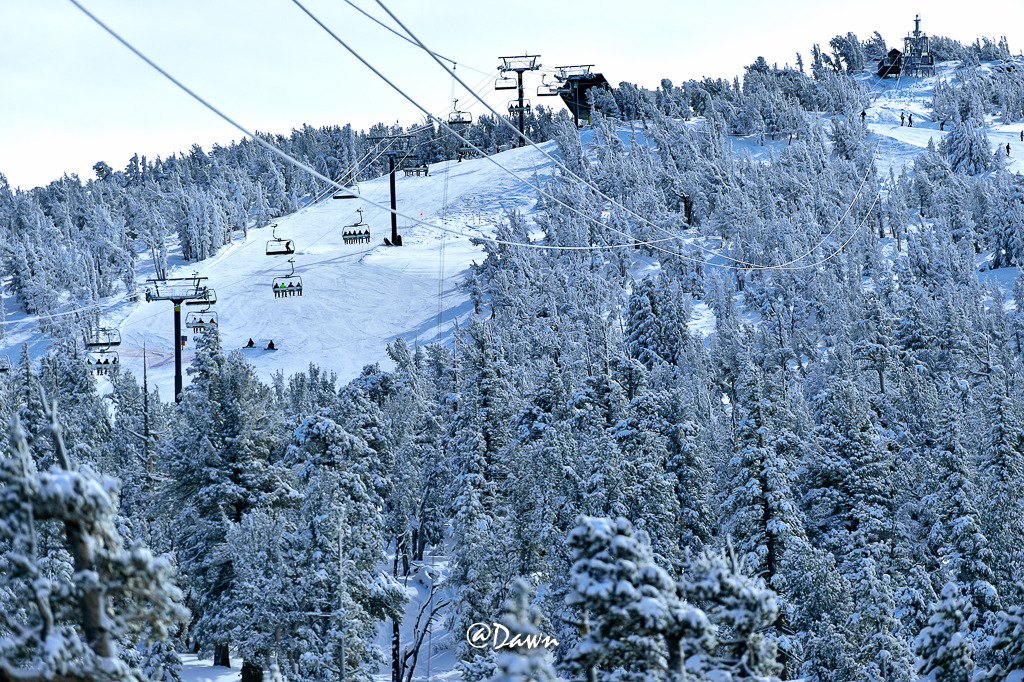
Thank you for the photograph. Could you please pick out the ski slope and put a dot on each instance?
(356, 299)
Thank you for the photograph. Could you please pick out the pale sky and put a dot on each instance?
(71, 96)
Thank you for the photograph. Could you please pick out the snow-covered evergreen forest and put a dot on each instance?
(828, 486)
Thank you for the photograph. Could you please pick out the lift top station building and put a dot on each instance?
(916, 58)
(576, 81)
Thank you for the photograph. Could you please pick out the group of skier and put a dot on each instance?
(909, 121)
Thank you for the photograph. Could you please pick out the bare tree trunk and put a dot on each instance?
(396, 633)
(92, 602)
(251, 672)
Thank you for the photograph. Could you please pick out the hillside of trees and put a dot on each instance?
(830, 487)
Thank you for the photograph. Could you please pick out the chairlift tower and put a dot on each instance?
(178, 290)
(519, 64)
(917, 57)
(398, 149)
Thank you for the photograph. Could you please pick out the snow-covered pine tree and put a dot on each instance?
(64, 619)
(1001, 468)
(944, 649)
(958, 542)
(1008, 640)
(728, 643)
(524, 663)
(339, 543)
(630, 613)
(967, 148)
(220, 466)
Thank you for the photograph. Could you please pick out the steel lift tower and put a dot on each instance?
(518, 64)
(397, 149)
(178, 290)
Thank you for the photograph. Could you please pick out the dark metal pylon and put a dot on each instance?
(189, 289)
(401, 152)
(519, 64)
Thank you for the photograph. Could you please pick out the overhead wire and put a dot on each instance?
(541, 191)
(299, 164)
(304, 167)
(565, 169)
(489, 158)
(443, 229)
(743, 264)
(385, 26)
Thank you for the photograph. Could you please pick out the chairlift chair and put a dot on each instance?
(5, 363)
(348, 193)
(208, 298)
(278, 246)
(289, 285)
(514, 108)
(546, 89)
(201, 321)
(459, 119)
(409, 161)
(103, 362)
(357, 233)
(102, 337)
(506, 84)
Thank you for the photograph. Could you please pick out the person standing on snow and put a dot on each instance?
(911, 121)
(863, 116)
(902, 119)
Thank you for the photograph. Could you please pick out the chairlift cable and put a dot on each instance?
(444, 221)
(536, 188)
(385, 26)
(567, 170)
(298, 164)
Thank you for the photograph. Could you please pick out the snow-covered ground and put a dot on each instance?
(193, 669)
(898, 145)
(356, 299)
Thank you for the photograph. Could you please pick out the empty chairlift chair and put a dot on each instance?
(289, 285)
(207, 297)
(459, 119)
(546, 89)
(349, 192)
(102, 338)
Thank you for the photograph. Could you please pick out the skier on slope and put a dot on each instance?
(902, 119)
(863, 116)
(1007, 148)
(910, 121)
